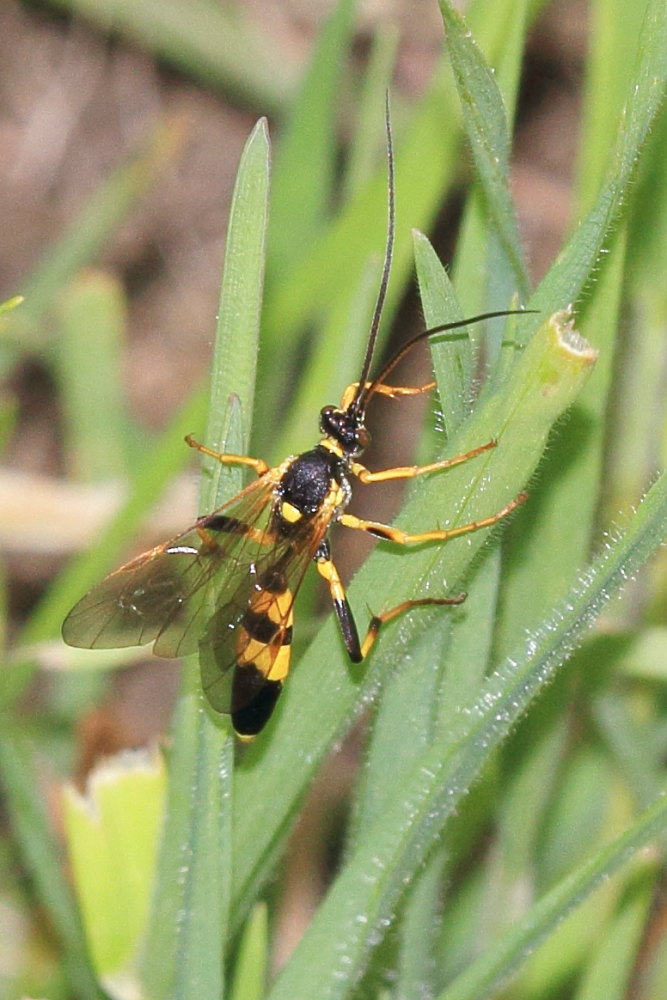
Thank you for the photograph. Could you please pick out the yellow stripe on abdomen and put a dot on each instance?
(265, 634)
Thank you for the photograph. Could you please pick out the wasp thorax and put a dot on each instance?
(346, 427)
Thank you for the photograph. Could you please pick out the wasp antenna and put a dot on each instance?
(360, 395)
(442, 328)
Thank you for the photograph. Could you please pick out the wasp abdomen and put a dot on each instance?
(257, 698)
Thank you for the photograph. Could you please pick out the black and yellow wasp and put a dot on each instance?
(226, 587)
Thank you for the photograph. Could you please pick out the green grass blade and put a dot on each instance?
(38, 846)
(251, 960)
(487, 974)
(453, 360)
(112, 834)
(486, 122)
(377, 872)
(324, 691)
(239, 316)
(305, 157)
(573, 267)
(415, 965)
(183, 958)
(184, 954)
(92, 330)
(610, 972)
(369, 138)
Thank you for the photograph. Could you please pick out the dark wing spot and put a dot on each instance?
(273, 580)
(220, 522)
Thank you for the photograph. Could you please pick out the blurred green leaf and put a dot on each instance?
(112, 835)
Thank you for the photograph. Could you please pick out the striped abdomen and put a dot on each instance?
(263, 650)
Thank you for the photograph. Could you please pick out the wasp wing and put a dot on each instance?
(244, 650)
(167, 594)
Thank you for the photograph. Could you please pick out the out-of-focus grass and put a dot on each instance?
(473, 834)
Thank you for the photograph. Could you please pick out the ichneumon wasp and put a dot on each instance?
(226, 587)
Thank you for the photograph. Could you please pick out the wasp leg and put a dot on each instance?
(410, 471)
(377, 621)
(358, 651)
(348, 626)
(258, 464)
(392, 534)
(393, 391)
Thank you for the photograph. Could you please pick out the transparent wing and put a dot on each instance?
(245, 647)
(167, 594)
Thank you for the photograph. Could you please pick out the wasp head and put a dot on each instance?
(346, 427)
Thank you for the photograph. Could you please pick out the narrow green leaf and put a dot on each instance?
(611, 969)
(486, 122)
(453, 360)
(252, 958)
(305, 160)
(487, 974)
(185, 953)
(92, 328)
(239, 315)
(572, 269)
(112, 835)
(38, 846)
(369, 138)
(324, 692)
(183, 957)
(420, 920)
(377, 872)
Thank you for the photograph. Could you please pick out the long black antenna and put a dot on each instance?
(442, 328)
(359, 399)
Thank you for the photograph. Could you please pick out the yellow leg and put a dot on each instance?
(258, 464)
(358, 651)
(393, 391)
(392, 534)
(377, 621)
(410, 471)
